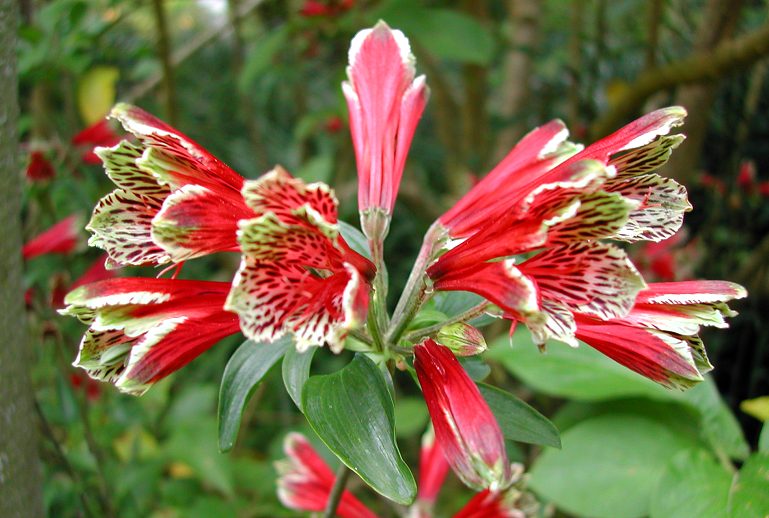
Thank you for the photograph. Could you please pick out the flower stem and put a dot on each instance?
(413, 293)
(342, 474)
(468, 315)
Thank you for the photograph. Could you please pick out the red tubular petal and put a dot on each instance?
(305, 481)
(433, 468)
(464, 425)
(385, 103)
(641, 350)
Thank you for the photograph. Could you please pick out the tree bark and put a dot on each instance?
(20, 490)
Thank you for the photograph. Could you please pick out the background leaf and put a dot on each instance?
(519, 421)
(693, 485)
(244, 371)
(608, 466)
(750, 494)
(576, 373)
(352, 412)
(355, 239)
(296, 371)
(96, 93)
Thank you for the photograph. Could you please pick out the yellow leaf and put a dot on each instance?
(96, 93)
(135, 442)
(758, 408)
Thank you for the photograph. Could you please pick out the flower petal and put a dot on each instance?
(464, 425)
(121, 225)
(282, 194)
(174, 158)
(385, 103)
(592, 278)
(195, 221)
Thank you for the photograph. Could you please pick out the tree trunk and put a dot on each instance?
(20, 490)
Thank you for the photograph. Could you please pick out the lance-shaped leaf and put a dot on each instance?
(352, 412)
(296, 371)
(242, 374)
(519, 421)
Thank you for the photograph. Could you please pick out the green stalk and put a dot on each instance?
(468, 315)
(413, 295)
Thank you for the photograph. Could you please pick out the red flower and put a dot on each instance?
(529, 234)
(385, 104)
(174, 201)
(659, 338)
(297, 274)
(39, 168)
(763, 189)
(305, 481)
(746, 179)
(465, 428)
(142, 330)
(433, 468)
(99, 134)
(314, 8)
(62, 238)
(491, 504)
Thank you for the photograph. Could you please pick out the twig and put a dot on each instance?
(62, 458)
(164, 52)
(342, 474)
(726, 58)
(188, 50)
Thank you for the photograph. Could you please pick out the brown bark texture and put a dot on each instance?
(20, 490)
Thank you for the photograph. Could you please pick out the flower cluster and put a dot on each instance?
(537, 238)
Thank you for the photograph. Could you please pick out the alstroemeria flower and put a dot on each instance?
(305, 481)
(174, 201)
(529, 236)
(465, 428)
(94, 136)
(385, 103)
(61, 238)
(141, 330)
(297, 273)
(543, 167)
(659, 338)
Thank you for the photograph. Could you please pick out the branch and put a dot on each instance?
(706, 66)
(164, 53)
(181, 55)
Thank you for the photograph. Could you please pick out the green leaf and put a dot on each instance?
(243, 372)
(693, 485)
(750, 494)
(352, 412)
(411, 416)
(453, 303)
(261, 57)
(354, 238)
(575, 373)
(757, 407)
(296, 370)
(519, 421)
(192, 444)
(609, 466)
(763, 439)
(446, 33)
(475, 367)
(317, 169)
(718, 425)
